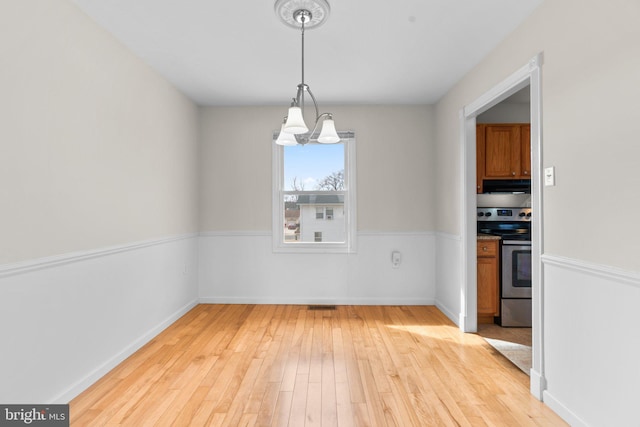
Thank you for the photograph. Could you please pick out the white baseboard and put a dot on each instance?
(318, 301)
(447, 312)
(537, 384)
(572, 419)
(103, 369)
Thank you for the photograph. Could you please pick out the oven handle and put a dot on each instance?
(517, 242)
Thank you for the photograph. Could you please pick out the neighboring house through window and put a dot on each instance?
(314, 196)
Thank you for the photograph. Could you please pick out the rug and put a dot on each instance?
(518, 354)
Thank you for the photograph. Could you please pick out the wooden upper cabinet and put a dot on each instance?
(503, 151)
(525, 151)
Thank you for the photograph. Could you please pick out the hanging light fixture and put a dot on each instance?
(304, 14)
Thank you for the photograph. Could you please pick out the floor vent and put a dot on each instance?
(321, 307)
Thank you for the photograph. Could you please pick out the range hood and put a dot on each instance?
(507, 186)
(505, 193)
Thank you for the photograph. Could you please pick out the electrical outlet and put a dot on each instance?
(396, 259)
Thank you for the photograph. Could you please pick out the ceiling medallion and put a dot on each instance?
(286, 11)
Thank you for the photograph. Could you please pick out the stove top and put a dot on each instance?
(504, 214)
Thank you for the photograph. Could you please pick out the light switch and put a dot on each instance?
(550, 176)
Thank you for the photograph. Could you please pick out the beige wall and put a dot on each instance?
(590, 96)
(395, 166)
(95, 148)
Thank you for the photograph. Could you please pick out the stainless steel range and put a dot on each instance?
(513, 225)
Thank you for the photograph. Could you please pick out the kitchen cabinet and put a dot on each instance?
(488, 280)
(503, 151)
(525, 151)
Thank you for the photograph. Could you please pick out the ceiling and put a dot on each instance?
(238, 52)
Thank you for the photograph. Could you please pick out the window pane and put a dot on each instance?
(291, 219)
(314, 167)
(302, 223)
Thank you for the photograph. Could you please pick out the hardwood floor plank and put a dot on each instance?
(351, 363)
(285, 365)
(298, 411)
(328, 400)
(313, 413)
(268, 405)
(238, 404)
(282, 409)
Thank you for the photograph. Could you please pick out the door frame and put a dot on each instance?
(527, 75)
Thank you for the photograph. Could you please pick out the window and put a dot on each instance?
(329, 213)
(314, 188)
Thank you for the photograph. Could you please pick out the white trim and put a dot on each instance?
(450, 236)
(468, 317)
(396, 233)
(447, 312)
(103, 369)
(350, 203)
(235, 233)
(504, 89)
(22, 267)
(562, 411)
(630, 278)
(529, 74)
(364, 233)
(321, 301)
(537, 383)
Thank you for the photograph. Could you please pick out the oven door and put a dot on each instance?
(516, 269)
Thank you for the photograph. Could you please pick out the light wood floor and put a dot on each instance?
(258, 365)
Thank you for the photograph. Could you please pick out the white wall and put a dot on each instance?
(98, 182)
(242, 268)
(590, 130)
(591, 322)
(67, 320)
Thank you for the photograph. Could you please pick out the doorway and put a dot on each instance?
(527, 76)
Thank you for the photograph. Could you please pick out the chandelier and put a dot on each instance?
(304, 14)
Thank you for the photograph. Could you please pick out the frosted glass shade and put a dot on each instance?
(328, 135)
(295, 122)
(285, 138)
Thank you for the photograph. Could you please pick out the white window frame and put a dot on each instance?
(278, 193)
